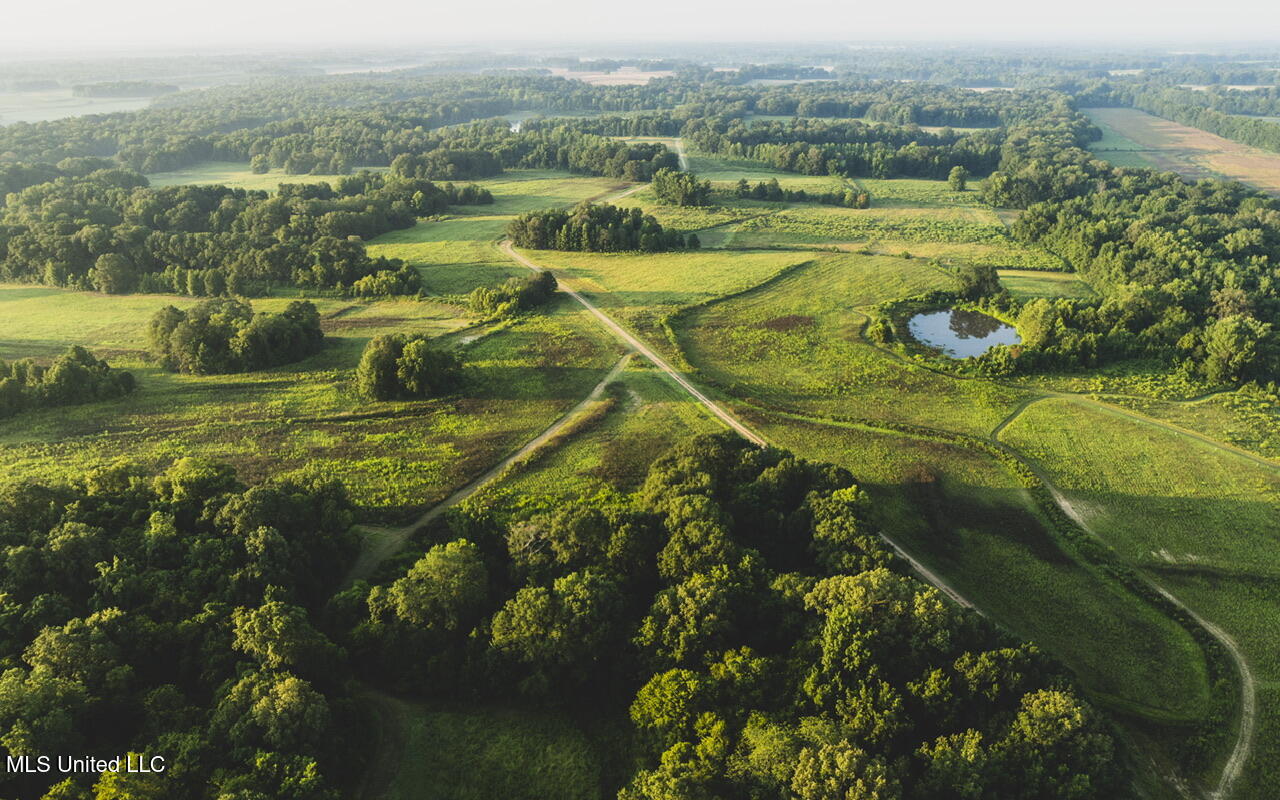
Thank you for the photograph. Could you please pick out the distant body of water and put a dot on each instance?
(960, 333)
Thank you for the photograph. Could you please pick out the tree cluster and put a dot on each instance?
(72, 378)
(179, 616)
(514, 296)
(400, 367)
(596, 228)
(742, 611)
(676, 188)
(772, 191)
(226, 335)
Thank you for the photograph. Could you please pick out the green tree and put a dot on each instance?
(279, 636)
(958, 179)
(444, 590)
(113, 273)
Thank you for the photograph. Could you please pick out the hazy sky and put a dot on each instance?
(79, 25)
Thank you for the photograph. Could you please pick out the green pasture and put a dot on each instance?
(796, 344)
(519, 190)
(641, 288)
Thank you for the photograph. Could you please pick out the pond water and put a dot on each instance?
(960, 333)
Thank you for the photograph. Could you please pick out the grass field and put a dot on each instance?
(1123, 475)
(641, 289)
(238, 175)
(796, 344)
(1130, 135)
(1023, 284)
(396, 457)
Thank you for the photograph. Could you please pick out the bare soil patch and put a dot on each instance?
(788, 323)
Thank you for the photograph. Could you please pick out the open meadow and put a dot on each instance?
(397, 458)
(1136, 138)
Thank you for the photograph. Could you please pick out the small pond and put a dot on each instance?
(960, 333)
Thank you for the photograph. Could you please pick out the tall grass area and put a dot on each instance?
(642, 415)
(396, 457)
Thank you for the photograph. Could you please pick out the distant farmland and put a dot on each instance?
(1135, 138)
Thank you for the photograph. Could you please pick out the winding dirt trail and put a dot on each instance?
(1248, 683)
(386, 542)
(640, 347)
(719, 411)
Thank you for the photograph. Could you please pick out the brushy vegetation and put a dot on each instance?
(73, 378)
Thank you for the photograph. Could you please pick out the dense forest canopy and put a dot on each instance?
(742, 609)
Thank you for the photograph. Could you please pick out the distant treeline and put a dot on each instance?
(599, 228)
(1231, 113)
(850, 147)
(106, 229)
(73, 378)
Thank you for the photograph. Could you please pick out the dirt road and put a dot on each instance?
(382, 543)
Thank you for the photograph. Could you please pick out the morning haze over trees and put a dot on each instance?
(784, 422)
